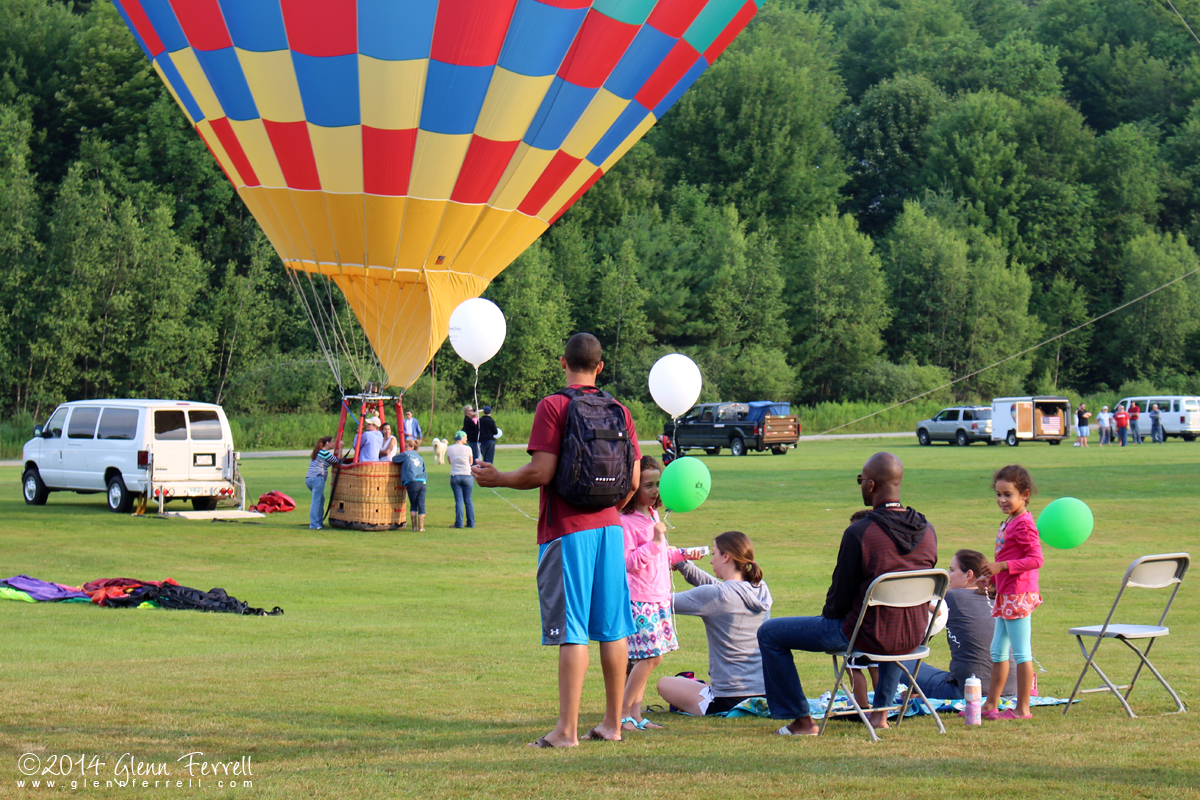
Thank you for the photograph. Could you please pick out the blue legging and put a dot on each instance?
(1017, 631)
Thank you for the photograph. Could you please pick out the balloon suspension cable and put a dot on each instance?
(514, 505)
(476, 406)
(1016, 355)
(342, 347)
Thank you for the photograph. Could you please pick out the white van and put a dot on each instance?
(163, 449)
(1180, 414)
(1037, 418)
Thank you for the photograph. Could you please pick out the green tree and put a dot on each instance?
(535, 309)
(841, 306)
(1150, 336)
(755, 127)
(884, 135)
(973, 154)
(1062, 306)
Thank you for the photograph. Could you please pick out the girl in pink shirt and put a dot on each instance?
(1013, 576)
(648, 562)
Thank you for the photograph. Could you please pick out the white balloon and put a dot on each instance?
(499, 433)
(477, 330)
(941, 616)
(675, 383)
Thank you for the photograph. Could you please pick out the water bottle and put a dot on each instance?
(973, 694)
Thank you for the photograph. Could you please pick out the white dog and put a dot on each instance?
(439, 451)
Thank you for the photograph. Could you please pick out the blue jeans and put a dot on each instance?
(317, 512)
(936, 683)
(462, 486)
(1137, 433)
(1156, 431)
(778, 637)
(487, 451)
(1123, 435)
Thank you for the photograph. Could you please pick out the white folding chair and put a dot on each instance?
(1147, 572)
(893, 590)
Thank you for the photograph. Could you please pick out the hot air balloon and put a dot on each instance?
(409, 150)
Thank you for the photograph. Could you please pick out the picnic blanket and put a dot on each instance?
(757, 706)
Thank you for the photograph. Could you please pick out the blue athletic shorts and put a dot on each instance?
(582, 588)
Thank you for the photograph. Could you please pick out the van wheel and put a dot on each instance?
(119, 498)
(1189, 437)
(204, 503)
(961, 439)
(737, 447)
(1011, 440)
(32, 487)
(923, 438)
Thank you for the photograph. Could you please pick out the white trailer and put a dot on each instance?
(1036, 418)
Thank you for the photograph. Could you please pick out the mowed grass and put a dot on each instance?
(409, 665)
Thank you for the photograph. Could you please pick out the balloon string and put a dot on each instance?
(476, 406)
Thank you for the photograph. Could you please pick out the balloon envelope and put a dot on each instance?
(477, 330)
(1065, 523)
(409, 151)
(675, 383)
(684, 484)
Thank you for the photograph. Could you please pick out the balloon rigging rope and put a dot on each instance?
(1016, 355)
(514, 505)
(1184, 21)
(317, 324)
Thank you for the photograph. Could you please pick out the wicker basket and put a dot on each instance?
(368, 496)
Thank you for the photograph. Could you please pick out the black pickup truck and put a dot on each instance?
(739, 426)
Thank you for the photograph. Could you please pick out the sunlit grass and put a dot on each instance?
(409, 665)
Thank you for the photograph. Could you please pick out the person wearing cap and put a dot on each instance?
(372, 440)
(487, 436)
(1104, 420)
(460, 455)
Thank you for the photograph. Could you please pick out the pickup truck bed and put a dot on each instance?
(741, 427)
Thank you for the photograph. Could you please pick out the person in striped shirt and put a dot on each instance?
(318, 470)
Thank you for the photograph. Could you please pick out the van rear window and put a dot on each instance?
(206, 426)
(119, 424)
(170, 426)
(83, 423)
(1191, 405)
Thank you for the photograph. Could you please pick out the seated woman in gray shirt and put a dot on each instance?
(969, 631)
(733, 605)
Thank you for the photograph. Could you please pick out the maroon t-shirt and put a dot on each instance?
(555, 517)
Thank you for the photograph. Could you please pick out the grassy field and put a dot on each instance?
(409, 665)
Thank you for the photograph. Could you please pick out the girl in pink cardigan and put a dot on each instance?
(1014, 576)
(648, 562)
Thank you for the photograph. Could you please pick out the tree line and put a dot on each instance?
(860, 200)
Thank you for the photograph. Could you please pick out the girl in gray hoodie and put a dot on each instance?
(733, 605)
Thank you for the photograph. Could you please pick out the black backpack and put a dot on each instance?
(595, 462)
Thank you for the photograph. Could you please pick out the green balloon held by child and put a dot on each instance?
(684, 484)
(1065, 523)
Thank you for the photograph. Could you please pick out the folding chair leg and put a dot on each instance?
(1180, 707)
(912, 686)
(840, 674)
(1089, 659)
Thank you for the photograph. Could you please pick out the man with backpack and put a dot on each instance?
(584, 458)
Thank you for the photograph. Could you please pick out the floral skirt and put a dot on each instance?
(1016, 606)
(654, 635)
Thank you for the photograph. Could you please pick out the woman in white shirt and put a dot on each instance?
(461, 456)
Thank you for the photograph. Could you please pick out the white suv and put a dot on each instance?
(959, 425)
(164, 449)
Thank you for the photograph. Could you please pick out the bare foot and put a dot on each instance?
(551, 741)
(802, 727)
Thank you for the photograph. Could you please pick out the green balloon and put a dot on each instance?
(1065, 523)
(684, 484)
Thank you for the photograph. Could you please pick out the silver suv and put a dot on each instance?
(959, 425)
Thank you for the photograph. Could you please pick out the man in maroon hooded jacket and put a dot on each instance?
(891, 538)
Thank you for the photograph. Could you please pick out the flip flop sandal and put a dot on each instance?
(1010, 714)
(542, 744)
(594, 735)
(786, 731)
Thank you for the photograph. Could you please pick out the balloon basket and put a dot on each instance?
(368, 496)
